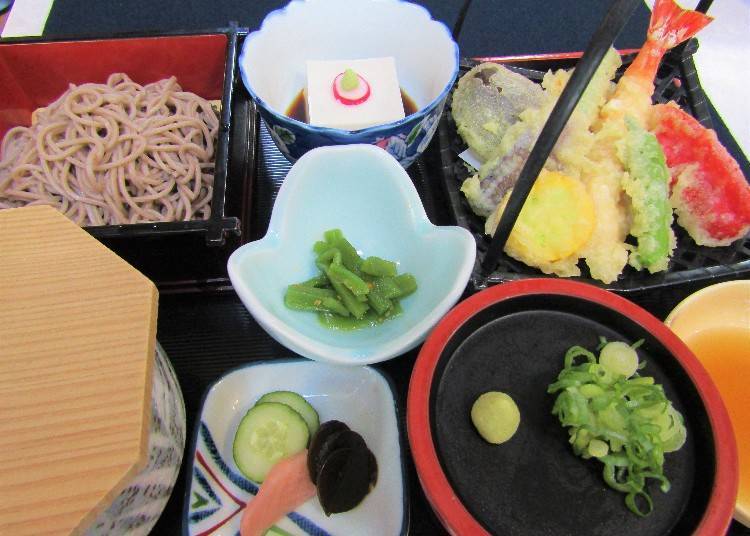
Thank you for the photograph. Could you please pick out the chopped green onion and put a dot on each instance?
(619, 417)
(598, 448)
(619, 358)
(578, 351)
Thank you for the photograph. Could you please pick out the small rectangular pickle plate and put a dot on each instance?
(361, 397)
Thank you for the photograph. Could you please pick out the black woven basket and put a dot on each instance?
(676, 81)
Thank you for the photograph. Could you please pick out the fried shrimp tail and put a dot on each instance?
(607, 253)
(670, 25)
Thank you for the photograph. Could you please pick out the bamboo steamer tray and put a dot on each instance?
(77, 338)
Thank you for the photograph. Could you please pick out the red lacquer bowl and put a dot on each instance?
(512, 338)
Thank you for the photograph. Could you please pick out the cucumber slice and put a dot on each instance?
(268, 433)
(298, 404)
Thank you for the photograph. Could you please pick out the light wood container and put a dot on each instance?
(77, 336)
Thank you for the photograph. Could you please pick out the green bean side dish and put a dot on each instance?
(350, 292)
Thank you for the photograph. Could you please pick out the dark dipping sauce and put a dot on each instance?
(298, 110)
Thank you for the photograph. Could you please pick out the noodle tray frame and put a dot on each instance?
(180, 255)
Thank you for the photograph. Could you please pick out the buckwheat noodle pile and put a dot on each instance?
(114, 153)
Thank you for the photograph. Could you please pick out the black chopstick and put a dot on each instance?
(614, 21)
(460, 19)
(703, 6)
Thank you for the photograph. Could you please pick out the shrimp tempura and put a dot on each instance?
(607, 253)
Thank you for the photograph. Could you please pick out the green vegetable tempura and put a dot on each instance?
(647, 184)
(350, 292)
(619, 417)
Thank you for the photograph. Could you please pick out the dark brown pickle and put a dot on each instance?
(344, 479)
(345, 439)
(341, 465)
(327, 431)
(373, 469)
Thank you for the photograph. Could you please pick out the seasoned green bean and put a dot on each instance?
(352, 281)
(349, 323)
(298, 297)
(315, 292)
(332, 235)
(379, 267)
(321, 247)
(407, 283)
(317, 281)
(350, 292)
(388, 287)
(349, 255)
(377, 301)
(332, 255)
(356, 307)
(334, 238)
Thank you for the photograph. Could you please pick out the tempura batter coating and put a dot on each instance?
(556, 220)
(488, 99)
(498, 175)
(710, 194)
(607, 253)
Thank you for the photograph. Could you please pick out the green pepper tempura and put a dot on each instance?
(647, 184)
(350, 292)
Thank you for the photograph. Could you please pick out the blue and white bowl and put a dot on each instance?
(272, 64)
(138, 507)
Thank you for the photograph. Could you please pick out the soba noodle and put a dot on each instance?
(114, 153)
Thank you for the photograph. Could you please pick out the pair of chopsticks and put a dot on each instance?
(614, 21)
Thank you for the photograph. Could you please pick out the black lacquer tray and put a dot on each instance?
(205, 330)
(531, 484)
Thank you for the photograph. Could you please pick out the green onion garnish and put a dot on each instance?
(618, 417)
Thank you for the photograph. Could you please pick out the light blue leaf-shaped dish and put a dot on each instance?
(361, 397)
(363, 191)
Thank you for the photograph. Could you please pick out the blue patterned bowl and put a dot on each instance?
(272, 64)
(138, 507)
